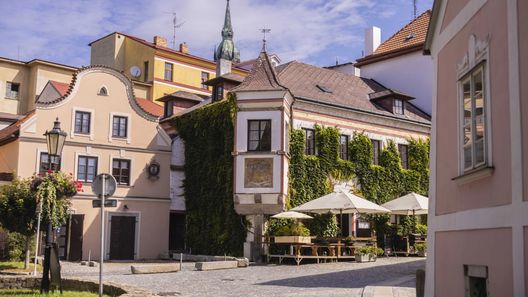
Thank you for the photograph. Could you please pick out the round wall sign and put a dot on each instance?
(154, 169)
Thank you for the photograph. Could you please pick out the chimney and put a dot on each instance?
(372, 40)
(160, 41)
(184, 48)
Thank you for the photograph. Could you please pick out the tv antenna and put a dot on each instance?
(414, 8)
(264, 31)
(175, 25)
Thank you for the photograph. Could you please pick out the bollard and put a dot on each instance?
(181, 261)
(420, 283)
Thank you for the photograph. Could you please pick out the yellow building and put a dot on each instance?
(155, 69)
(21, 82)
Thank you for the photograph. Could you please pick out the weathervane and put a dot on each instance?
(264, 31)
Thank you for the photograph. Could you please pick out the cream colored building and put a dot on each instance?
(109, 131)
(21, 82)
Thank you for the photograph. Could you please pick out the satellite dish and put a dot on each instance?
(135, 71)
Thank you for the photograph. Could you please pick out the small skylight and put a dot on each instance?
(324, 89)
(410, 36)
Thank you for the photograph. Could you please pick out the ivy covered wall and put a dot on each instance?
(212, 225)
(309, 175)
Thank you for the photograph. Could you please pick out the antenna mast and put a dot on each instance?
(264, 31)
(414, 8)
(175, 26)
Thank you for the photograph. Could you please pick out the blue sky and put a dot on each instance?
(313, 31)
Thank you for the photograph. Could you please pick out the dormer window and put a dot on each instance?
(324, 89)
(397, 107)
(410, 36)
(103, 91)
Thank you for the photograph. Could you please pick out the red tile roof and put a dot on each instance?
(150, 107)
(12, 131)
(408, 39)
(61, 87)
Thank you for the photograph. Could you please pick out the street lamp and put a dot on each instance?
(55, 139)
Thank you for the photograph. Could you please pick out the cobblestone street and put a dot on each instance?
(329, 279)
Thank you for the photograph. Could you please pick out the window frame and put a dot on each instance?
(118, 177)
(468, 76)
(114, 117)
(309, 150)
(375, 157)
(43, 169)
(85, 180)
(80, 132)
(345, 151)
(396, 108)
(204, 86)
(249, 140)
(168, 76)
(145, 71)
(9, 90)
(404, 163)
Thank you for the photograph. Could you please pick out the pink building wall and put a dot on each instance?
(496, 189)
(489, 247)
(523, 78)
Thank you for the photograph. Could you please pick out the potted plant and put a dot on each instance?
(375, 252)
(362, 254)
(421, 249)
(295, 232)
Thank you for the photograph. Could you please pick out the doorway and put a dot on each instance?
(177, 232)
(122, 237)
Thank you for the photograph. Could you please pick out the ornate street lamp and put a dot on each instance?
(55, 139)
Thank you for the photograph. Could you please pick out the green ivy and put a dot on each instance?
(310, 175)
(213, 226)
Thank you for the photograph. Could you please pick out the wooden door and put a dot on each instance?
(122, 237)
(76, 225)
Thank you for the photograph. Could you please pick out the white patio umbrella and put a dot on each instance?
(291, 215)
(340, 202)
(410, 204)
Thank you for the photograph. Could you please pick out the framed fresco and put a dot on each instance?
(258, 173)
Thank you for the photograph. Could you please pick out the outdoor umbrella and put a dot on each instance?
(410, 204)
(291, 215)
(340, 202)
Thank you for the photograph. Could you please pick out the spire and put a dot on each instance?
(227, 50)
(227, 31)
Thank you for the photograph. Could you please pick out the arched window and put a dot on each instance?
(103, 91)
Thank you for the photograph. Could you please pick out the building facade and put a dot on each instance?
(398, 62)
(109, 130)
(155, 68)
(478, 210)
(21, 82)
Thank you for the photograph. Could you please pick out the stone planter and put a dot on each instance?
(293, 239)
(362, 258)
(421, 253)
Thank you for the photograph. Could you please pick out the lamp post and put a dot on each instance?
(55, 139)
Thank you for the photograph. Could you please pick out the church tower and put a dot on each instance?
(226, 54)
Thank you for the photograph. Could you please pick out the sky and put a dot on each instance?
(313, 31)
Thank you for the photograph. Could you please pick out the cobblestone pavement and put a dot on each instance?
(328, 279)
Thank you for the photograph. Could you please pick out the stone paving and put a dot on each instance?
(328, 279)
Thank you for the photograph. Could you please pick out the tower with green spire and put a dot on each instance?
(226, 54)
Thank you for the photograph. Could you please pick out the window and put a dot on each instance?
(218, 93)
(103, 92)
(474, 120)
(324, 89)
(44, 164)
(86, 169)
(376, 146)
(169, 108)
(119, 126)
(343, 147)
(259, 135)
(476, 280)
(168, 71)
(404, 154)
(146, 67)
(398, 106)
(309, 147)
(205, 77)
(82, 122)
(12, 90)
(121, 171)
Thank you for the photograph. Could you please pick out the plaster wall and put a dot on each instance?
(488, 247)
(177, 175)
(11, 72)
(9, 156)
(523, 78)
(496, 189)
(452, 9)
(411, 73)
(242, 128)
(108, 51)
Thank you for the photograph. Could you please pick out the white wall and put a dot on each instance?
(176, 176)
(242, 127)
(411, 73)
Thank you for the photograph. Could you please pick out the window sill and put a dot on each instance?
(11, 98)
(474, 175)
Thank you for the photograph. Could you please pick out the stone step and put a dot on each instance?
(215, 265)
(148, 269)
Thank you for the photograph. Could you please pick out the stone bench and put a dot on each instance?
(147, 269)
(215, 265)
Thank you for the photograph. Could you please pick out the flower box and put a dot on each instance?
(293, 239)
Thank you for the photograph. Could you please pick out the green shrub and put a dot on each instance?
(324, 226)
(292, 229)
(421, 228)
(421, 247)
(15, 246)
